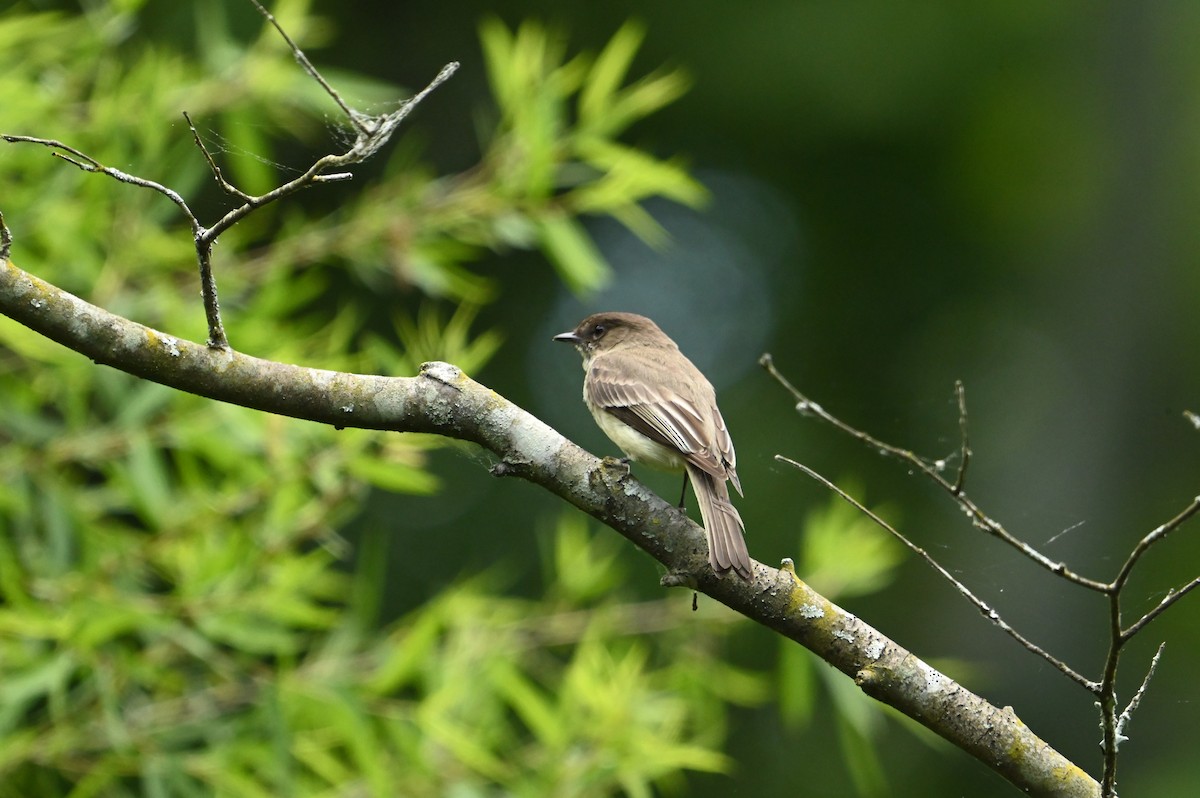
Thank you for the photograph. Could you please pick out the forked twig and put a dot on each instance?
(933, 469)
(371, 134)
(1112, 723)
(1156, 535)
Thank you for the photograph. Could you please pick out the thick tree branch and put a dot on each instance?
(444, 401)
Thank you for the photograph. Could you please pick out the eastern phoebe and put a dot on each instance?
(660, 410)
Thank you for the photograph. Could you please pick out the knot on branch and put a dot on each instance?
(510, 468)
(445, 373)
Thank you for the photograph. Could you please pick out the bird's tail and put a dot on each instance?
(722, 524)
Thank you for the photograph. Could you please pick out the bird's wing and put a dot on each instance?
(632, 393)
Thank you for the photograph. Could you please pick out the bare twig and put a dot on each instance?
(1172, 596)
(1157, 534)
(379, 131)
(1114, 726)
(89, 164)
(212, 164)
(984, 608)
(1127, 714)
(355, 117)
(208, 285)
(1108, 697)
(964, 459)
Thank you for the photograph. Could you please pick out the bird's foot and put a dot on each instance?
(618, 464)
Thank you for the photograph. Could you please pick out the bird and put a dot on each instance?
(659, 409)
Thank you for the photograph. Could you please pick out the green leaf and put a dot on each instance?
(586, 566)
(862, 761)
(394, 477)
(599, 91)
(573, 254)
(150, 483)
(797, 685)
(845, 554)
(630, 175)
(532, 706)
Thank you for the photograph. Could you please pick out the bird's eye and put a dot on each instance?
(598, 330)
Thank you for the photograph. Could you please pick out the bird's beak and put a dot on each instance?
(569, 337)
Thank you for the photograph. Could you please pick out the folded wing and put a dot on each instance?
(692, 425)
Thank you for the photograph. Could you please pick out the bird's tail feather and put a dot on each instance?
(722, 524)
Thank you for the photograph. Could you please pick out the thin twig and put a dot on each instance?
(357, 119)
(1171, 597)
(1156, 535)
(208, 286)
(372, 133)
(984, 608)
(1108, 696)
(89, 164)
(212, 164)
(363, 148)
(964, 459)
(1123, 721)
(979, 518)
(1112, 725)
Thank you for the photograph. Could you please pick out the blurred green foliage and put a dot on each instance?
(176, 614)
(549, 154)
(843, 554)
